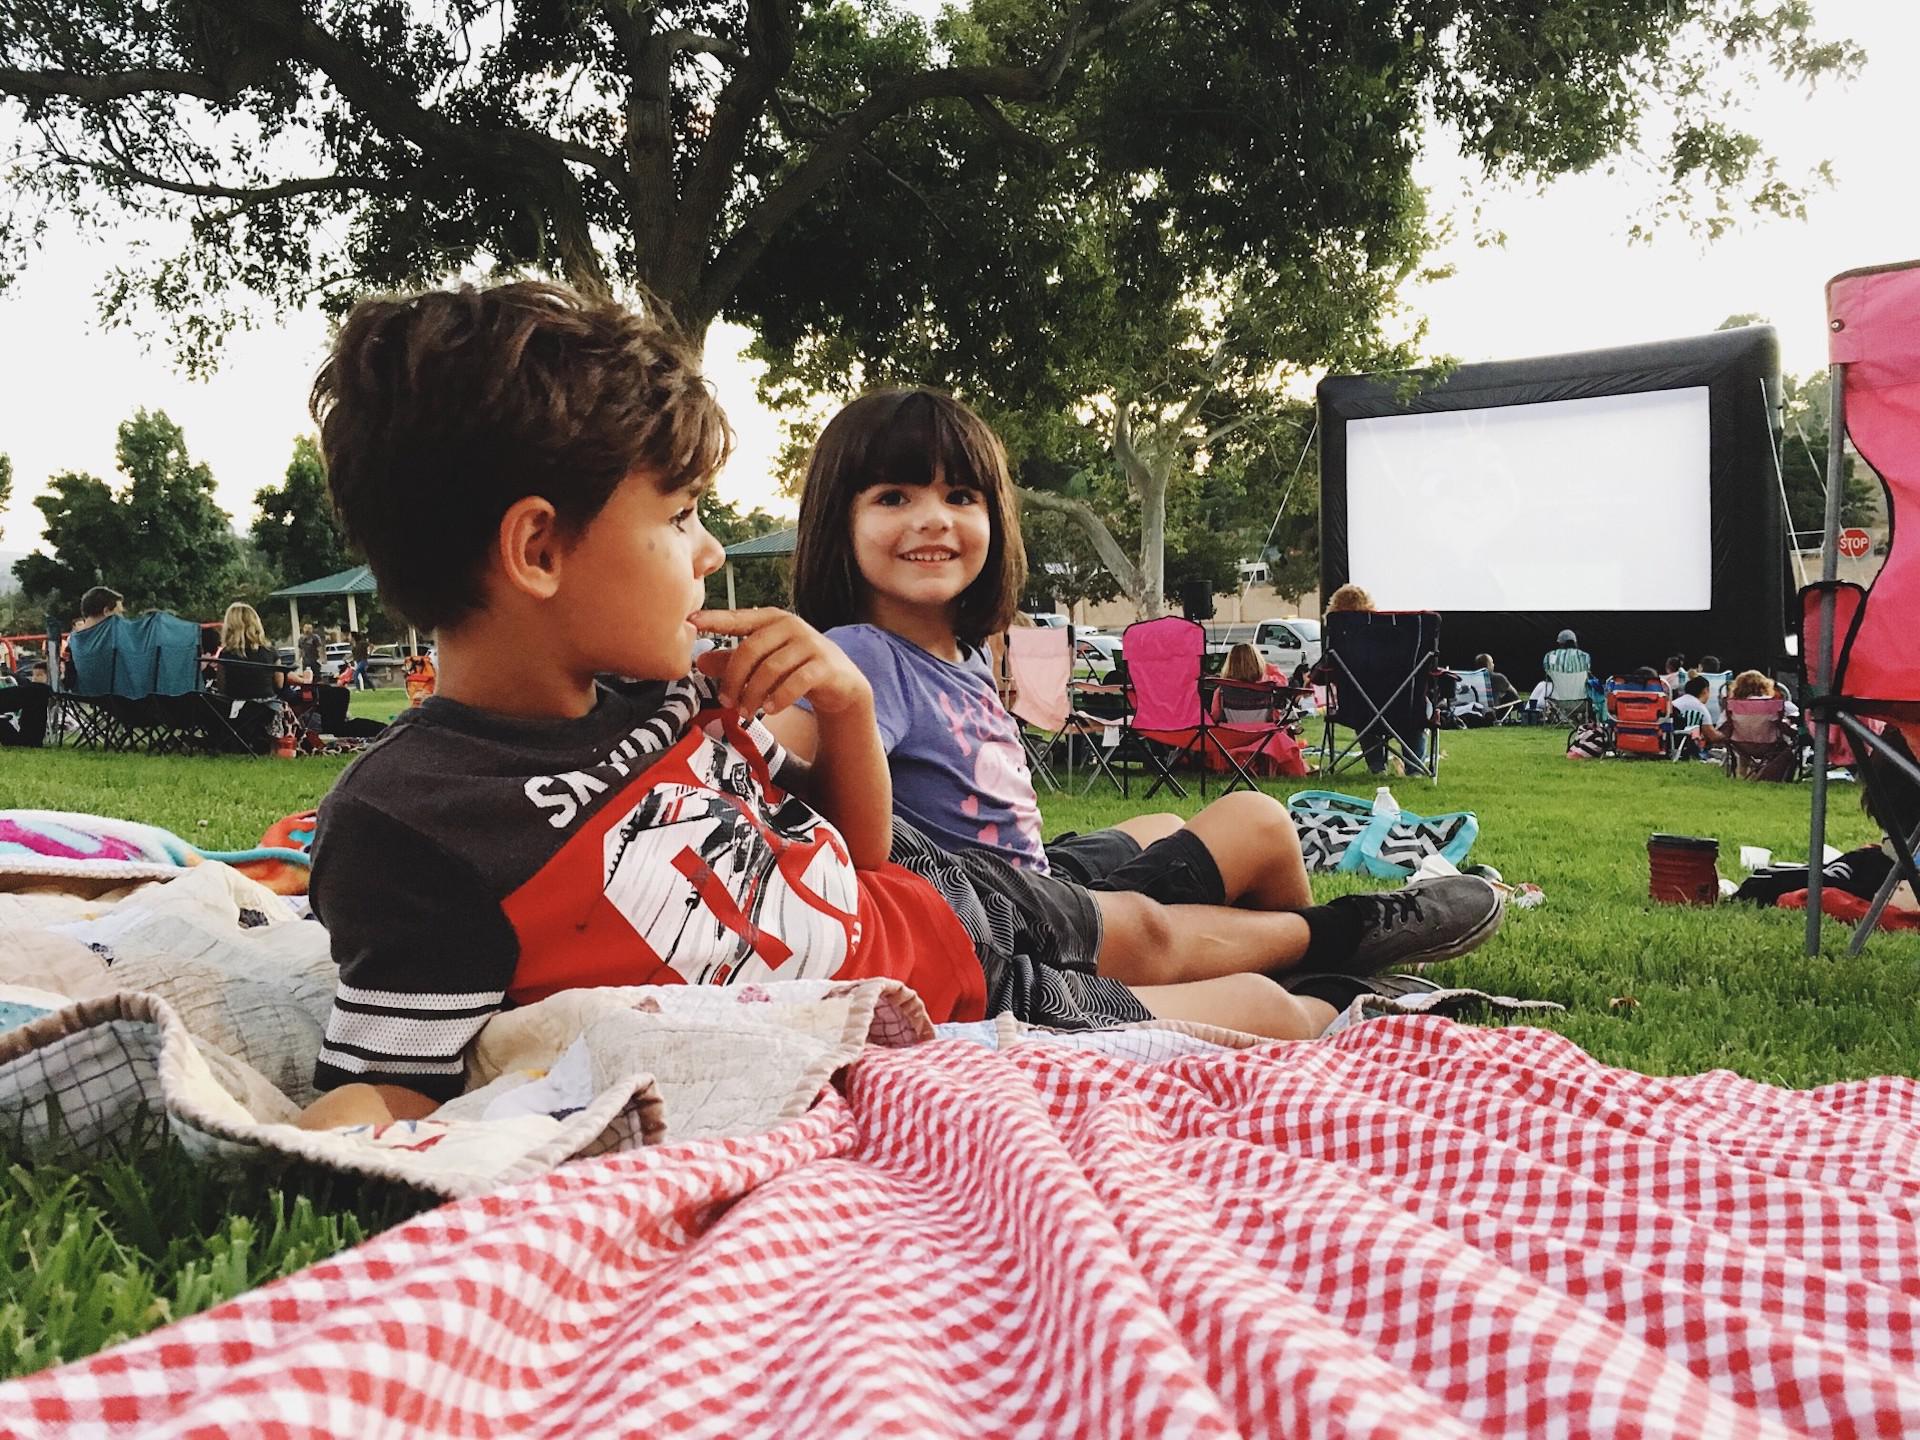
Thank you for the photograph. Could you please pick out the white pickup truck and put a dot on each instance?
(1285, 643)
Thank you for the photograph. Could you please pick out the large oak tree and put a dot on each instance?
(1228, 204)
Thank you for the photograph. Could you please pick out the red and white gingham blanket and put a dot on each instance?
(1414, 1229)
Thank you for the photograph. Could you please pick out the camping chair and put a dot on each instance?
(1380, 679)
(1569, 701)
(1039, 668)
(1760, 743)
(1473, 696)
(137, 689)
(1717, 682)
(1639, 717)
(1166, 712)
(1856, 642)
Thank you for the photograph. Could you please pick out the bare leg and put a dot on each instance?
(1251, 1003)
(1143, 942)
(1148, 828)
(1252, 839)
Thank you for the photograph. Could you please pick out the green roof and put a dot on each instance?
(780, 542)
(357, 581)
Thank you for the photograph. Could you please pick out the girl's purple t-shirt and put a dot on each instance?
(959, 771)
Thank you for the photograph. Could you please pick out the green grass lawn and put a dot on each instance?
(1656, 988)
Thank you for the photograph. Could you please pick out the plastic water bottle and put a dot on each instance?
(1385, 804)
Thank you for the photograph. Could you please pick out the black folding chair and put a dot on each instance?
(1381, 668)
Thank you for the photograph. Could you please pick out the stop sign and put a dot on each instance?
(1855, 543)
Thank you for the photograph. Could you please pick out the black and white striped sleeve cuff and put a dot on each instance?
(395, 1037)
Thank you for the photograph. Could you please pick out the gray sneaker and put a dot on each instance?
(1424, 922)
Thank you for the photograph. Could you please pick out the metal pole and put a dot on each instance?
(1822, 671)
(730, 602)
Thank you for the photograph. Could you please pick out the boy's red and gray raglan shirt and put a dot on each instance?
(469, 860)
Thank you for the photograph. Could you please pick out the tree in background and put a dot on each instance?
(6, 481)
(1806, 424)
(159, 538)
(295, 532)
(320, 151)
(1225, 203)
(755, 581)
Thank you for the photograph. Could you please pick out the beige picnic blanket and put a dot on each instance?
(202, 999)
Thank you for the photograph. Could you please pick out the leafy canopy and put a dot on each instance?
(160, 539)
(1223, 204)
(295, 532)
(313, 151)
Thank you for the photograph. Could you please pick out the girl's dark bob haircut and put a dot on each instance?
(904, 437)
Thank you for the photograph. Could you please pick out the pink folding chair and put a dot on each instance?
(1856, 642)
(1040, 667)
(1166, 712)
(1759, 741)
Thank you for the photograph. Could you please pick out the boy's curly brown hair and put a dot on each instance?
(439, 411)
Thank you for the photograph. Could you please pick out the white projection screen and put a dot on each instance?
(1593, 504)
(1630, 495)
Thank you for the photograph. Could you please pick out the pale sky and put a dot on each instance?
(1567, 279)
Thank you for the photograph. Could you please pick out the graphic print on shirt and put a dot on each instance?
(1000, 774)
(691, 873)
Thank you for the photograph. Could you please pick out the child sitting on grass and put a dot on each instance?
(909, 555)
(529, 829)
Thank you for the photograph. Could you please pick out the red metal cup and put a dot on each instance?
(1683, 869)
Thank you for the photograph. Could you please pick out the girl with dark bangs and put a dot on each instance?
(909, 556)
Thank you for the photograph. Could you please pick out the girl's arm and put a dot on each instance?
(781, 659)
(796, 730)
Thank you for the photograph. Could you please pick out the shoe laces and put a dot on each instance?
(1398, 907)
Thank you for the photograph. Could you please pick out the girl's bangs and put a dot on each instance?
(922, 441)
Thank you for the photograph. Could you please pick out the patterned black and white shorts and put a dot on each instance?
(1037, 937)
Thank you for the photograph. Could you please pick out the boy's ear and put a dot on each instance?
(529, 547)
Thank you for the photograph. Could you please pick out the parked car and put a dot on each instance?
(1095, 656)
(1050, 618)
(1286, 643)
(384, 665)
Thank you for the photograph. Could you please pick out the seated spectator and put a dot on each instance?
(96, 605)
(1690, 706)
(1501, 691)
(1539, 699)
(1373, 746)
(1248, 702)
(1567, 657)
(243, 638)
(23, 709)
(1747, 685)
(1675, 676)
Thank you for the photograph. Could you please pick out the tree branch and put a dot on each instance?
(1011, 133)
(249, 196)
(736, 111)
(694, 43)
(117, 85)
(1095, 529)
(831, 153)
(1221, 432)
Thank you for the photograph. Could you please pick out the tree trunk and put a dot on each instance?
(1152, 489)
(1148, 481)
(1104, 545)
